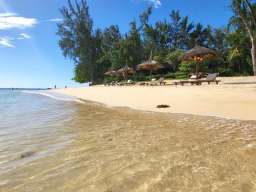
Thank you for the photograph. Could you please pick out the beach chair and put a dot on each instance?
(109, 83)
(211, 78)
(142, 83)
(161, 81)
(196, 77)
(193, 77)
(158, 82)
(113, 83)
(121, 83)
(150, 83)
(130, 82)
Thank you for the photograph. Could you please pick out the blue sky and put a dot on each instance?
(29, 52)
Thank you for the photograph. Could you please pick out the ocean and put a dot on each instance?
(29, 124)
(54, 143)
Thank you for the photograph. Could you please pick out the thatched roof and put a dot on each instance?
(126, 70)
(150, 65)
(199, 51)
(111, 73)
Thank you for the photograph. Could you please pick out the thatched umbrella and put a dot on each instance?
(150, 65)
(199, 54)
(111, 73)
(126, 71)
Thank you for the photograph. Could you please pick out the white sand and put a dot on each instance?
(228, 101)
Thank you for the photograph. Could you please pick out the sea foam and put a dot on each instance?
(56, 96)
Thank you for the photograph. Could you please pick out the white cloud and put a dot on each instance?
(23, 36)
(156, 3)
(6, 42)
(55, 20)
(12, 20)
(7, 14)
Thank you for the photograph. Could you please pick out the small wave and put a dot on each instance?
(55, 96)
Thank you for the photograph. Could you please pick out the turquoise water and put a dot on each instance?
(31, 124)
(49, 143)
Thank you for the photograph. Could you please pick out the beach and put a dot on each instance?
(234, 98)
(128, 96)
(69, 146)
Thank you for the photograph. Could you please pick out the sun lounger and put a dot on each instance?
(161, 81)
(112, 83)
(193, 77)
(211, 78)
(142, 83)
(158, 82)
(130, 82)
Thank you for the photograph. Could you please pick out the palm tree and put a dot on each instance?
(245, 14)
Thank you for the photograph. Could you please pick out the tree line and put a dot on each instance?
(95, 51)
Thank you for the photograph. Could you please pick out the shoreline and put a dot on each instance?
(126, 108)
(125, 147)
(236, 102)
(174, 115)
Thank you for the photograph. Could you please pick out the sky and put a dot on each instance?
(29, 52)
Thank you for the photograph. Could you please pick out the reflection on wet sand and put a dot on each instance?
(117, 150)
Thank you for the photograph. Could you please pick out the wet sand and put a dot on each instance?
(232, 101)
(116, 150)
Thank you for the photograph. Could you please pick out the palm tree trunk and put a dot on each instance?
(250, 29)
(253, 53)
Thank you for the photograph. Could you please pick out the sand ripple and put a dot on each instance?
(117, 150)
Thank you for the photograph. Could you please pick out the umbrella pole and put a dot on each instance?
(124, 75)
(197, 70)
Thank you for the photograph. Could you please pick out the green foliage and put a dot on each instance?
(175, 58)
(187, 67)
(180, 29)
(226, 72)
(80, 74)
(94, 51)
(139, 77)
(239, 53)
(170, 76)
(200, 36)
(78, 40)
(161, 58)
(111, 38)
(245, 18)
(111, 79)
